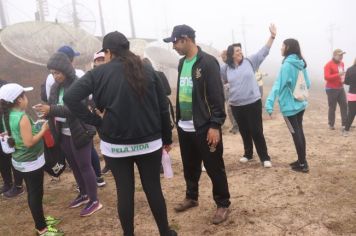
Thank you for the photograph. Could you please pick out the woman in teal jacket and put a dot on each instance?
(291, 108)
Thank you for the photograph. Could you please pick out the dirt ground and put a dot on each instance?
(267, 202)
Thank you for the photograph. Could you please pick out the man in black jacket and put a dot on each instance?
(200, 115)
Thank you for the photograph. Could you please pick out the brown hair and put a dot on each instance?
(133, 69)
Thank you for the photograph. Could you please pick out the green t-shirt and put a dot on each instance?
(186, 89)
(22, 153)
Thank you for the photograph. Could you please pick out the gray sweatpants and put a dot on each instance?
(337, 96)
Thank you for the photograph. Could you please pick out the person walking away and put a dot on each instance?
(245, 97)
(27, 157)
(291, 108)
(132, 119)
(71, 134)
(350, 79)
(200, 113)
(334, 76)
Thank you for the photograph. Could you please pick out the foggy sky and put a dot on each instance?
(218, 23)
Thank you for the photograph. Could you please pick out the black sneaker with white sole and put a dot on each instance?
(304, 168)
(100, 182)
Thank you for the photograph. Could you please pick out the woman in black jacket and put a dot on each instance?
(350, 79)
(133, 124)
(74, 137)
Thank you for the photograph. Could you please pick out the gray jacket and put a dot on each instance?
(243, 87)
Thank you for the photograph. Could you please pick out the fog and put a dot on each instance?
(219, 23)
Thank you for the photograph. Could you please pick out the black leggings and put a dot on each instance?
(34, 184)
(297, 132)
(249, 119)
(351, 115)
(6, 168)
(149, 168)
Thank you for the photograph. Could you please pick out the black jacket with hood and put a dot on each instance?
(208, 94)
(60, 62)
(128, 118)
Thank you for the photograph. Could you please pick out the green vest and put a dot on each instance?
(22, 153)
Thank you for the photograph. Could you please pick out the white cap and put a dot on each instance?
(98, 55)
(10, 92)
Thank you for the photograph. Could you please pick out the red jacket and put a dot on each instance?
(331, 75)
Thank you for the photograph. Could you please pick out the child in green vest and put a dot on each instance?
(27, 158)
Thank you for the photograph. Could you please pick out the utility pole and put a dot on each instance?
(331, 29)
(2, 15)
(101, 19)
(243, 26)
(132, 21)
(42, 10)
(233, 36)
(75, 14)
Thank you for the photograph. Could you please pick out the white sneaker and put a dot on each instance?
(245, 160)
(267, 164)
(345, 133)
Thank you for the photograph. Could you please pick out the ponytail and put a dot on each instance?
(133, 69)
(5, 116)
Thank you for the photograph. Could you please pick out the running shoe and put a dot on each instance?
(91, 208)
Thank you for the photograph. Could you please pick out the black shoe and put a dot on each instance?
(105, 170)
(294, 164)
(172, 233)
(5, 188)
(100, 182)
(304, 168)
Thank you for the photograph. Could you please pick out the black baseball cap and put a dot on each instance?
(115, 40)
(180, 31)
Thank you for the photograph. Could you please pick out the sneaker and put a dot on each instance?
(186, 204)
(221, 215)
(345, 133)
(78, 201)
(51, 231)
(267, 164)
(172, 232)
(100, 182)
(14, 192)
(91, 208)
(51, 221)
(244, 159)
(5, 188)
(234, 130)
(105, 170)
(304, 168)
(295, 163)
(331, 127)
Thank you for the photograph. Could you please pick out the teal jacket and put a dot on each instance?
(284, 86)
